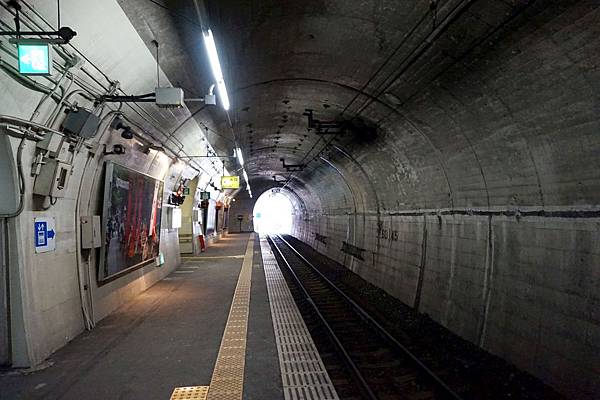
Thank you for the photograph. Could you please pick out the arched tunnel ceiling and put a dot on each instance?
(429, 77)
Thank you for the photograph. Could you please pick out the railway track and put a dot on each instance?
(380, 367)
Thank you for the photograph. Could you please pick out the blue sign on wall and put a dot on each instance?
(44, 235)
(41, 234)
(34, 59)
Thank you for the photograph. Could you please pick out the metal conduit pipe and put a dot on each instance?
(60, 50)
(67, 56)
(36, 111)
(66, 100)
(21, 182)
(38, 128)
(63, 55)
(166, 146)
(49, 25)
(26, 81)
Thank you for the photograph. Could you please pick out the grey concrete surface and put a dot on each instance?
(467, 179)
(168, 336)
(262, 379)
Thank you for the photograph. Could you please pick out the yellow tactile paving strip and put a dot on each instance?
(190, 393)
(227, 381)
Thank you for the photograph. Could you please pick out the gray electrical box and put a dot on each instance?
(81, 123)
(210, 99)
(53, 179)
(91, 232)
(169, 97)
(51, 142)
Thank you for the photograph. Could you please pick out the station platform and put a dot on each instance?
(209, 323)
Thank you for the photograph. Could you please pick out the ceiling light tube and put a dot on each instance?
(240, 157)
(213, 57)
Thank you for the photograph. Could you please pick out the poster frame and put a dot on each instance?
(106, 191)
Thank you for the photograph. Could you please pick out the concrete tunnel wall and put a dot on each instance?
(478, 201)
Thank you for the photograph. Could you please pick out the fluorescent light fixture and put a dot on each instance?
(213, 57)
(239, 155)
(246, 178)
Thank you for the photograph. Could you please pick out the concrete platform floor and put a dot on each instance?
(169, 336)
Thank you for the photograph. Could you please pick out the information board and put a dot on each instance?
(230, 182)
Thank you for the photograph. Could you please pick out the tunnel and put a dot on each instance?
(443, 153)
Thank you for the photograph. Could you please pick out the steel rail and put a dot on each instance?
(361, 379)
(365, 315)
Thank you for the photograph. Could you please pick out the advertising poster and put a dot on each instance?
(131, 220)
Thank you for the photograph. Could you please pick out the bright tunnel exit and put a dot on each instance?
(273, 213)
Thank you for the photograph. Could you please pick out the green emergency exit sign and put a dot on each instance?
(34, 59)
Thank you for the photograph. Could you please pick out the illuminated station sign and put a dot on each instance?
(230, 182)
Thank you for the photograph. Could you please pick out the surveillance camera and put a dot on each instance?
(127, 133)
(118, 149)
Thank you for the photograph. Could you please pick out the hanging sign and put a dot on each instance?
(204, 195)
(44, 235)
(230, 182)
(34, 59)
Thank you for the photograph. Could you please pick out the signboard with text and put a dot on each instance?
(230, 182)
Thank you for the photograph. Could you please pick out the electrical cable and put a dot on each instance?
(36, 111)
(356, 96)
(414, 54)
(26, 81)
(137, 109)
(386, 61)
(22, 186)
(157, 65)
(89, 323)
(36, 13)
(417, 51)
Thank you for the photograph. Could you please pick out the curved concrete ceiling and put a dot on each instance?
(467, 180)
(454, 104)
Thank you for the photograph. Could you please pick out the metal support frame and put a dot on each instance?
(61, 36)
(292, 167)
(322, 127)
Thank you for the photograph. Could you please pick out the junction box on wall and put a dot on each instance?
(174, 218)
(82, 123)
(91, 232)
(53, 178)
(169, 97)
